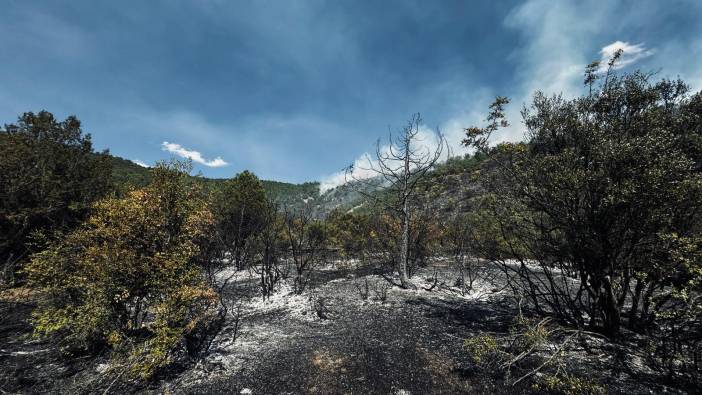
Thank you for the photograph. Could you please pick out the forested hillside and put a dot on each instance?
(126, 173)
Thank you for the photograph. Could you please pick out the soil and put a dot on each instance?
(329, 340)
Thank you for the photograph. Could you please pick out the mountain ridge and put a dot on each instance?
(126, 173)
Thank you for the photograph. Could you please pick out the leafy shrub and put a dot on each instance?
(306, 239)
(565, 384)
(128, 278)
(533, 349)
(483, 350)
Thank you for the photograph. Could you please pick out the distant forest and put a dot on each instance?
(126, 173)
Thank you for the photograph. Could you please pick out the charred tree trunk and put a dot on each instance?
(404, 248)
(610, 311)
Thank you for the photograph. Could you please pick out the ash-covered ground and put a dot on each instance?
(330, 340)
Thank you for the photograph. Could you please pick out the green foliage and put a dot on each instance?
(483, 349)
(127, 175)
(565, 384)
(533, 352)
(240, 207)
(50, 175)
(267, 247)
(350, 233)
(605, 199)
(306, 239)
(598, 188)
(458, 165)
(286, 194)
(373, 236)
(128, 278)
(676, 343)
(525, 336)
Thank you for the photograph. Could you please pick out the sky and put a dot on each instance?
(297, 90)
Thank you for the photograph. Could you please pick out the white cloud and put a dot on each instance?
(552, 60)
(474, 105)
(631, 53)
(195, 156)
(554, 57)
(556, 53)
(140, 163)
(360, 170)
(366, 165)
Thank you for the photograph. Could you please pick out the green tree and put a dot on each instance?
(350, 233)
(49, 176)
(241, 212)
(595, 197)
(129, 277)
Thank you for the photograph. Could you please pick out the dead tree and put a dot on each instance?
(400, 165)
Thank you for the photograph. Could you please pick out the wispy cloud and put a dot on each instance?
(553, 57)
(360, 170)
(195, 156)
(631, 53)
(366, 165)
(557, 47)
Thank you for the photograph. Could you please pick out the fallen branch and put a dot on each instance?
(555, 354)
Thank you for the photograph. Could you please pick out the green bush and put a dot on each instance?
(600, 207)
(128, 278)
(564, 384)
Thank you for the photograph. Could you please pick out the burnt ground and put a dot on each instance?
(29, 365)
(327, 341)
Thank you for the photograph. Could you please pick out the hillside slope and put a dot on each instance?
(449, 184)
(447, 188)
(126, 173)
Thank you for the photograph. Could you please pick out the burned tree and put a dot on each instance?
(401, 165)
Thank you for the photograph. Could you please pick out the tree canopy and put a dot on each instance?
(607, 189)
(49, 177)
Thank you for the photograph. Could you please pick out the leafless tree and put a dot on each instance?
(400, 164)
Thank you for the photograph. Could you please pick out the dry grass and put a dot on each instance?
(328, 362)
(443, 370)
(16, 295)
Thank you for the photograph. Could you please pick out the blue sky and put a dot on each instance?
(296, 90)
